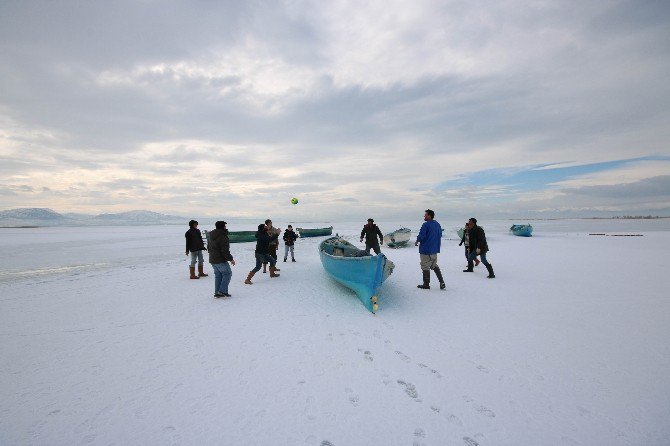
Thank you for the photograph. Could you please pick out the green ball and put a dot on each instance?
(294, 200)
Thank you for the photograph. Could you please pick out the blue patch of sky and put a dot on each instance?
(536, 177)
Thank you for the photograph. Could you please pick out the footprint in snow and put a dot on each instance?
(368, 355)
(403, 356)
(410, 389)
(485, 411)
(454, 419)
(433, 371)
(353, 399)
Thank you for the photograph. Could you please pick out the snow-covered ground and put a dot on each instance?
(105, 340)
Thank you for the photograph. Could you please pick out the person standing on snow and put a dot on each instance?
(466, 240)
(195, 246)
(478, 247)
(429, 241)
(262, 252)
(274, 244)
(219, 256)
(370, 232)
(289, 240)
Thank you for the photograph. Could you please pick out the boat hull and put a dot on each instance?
(241, 236)
(362, 273)
(398, 238)
(522, 230)
(316, 232)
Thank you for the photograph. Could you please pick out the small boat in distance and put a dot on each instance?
(237, 236)
(398, 238)
(356, 269)
(314, 232)
(522, 230)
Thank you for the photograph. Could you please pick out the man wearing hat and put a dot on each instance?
(429, 241)
(370, 232)
(195, 246)
(289, 240)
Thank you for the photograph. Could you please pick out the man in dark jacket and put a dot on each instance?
(289, 240)
(274, 243)
(466, 239)
(371, 232)
(219, 256)
(262, 252)
(195, 246)
(478, 247)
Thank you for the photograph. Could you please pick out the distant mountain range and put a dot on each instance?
(49, 217)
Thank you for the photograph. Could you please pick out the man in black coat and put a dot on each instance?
(219, 256)
(289, 240)
(262, 253)
(195, 246)
(478, 247)
(371, 232)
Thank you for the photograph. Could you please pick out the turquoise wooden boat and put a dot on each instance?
(314, 232)
(522, 230)
(398, 238)
(356, 269)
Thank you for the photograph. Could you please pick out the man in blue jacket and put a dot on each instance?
(429, 241)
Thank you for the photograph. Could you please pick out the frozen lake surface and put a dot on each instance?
(105, 340)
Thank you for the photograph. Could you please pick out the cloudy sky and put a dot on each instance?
(376, 108)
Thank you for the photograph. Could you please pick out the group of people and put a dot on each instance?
(221, 259)
(474, 240)
(428, 240)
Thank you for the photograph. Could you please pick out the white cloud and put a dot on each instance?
(371, 104)
(627, 174)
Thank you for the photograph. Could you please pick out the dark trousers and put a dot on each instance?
(374, 246)
(263, 258)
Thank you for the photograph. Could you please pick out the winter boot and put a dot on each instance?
(201, 273)
(426, 280)
(192, 271)
(491, 275)
(438, 273)
(248, 281)
(293, 260)
(284, 259)
(469, 269)
(272, 272)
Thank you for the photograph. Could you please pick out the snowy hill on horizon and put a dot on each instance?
(49, 217)
(31, 214)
